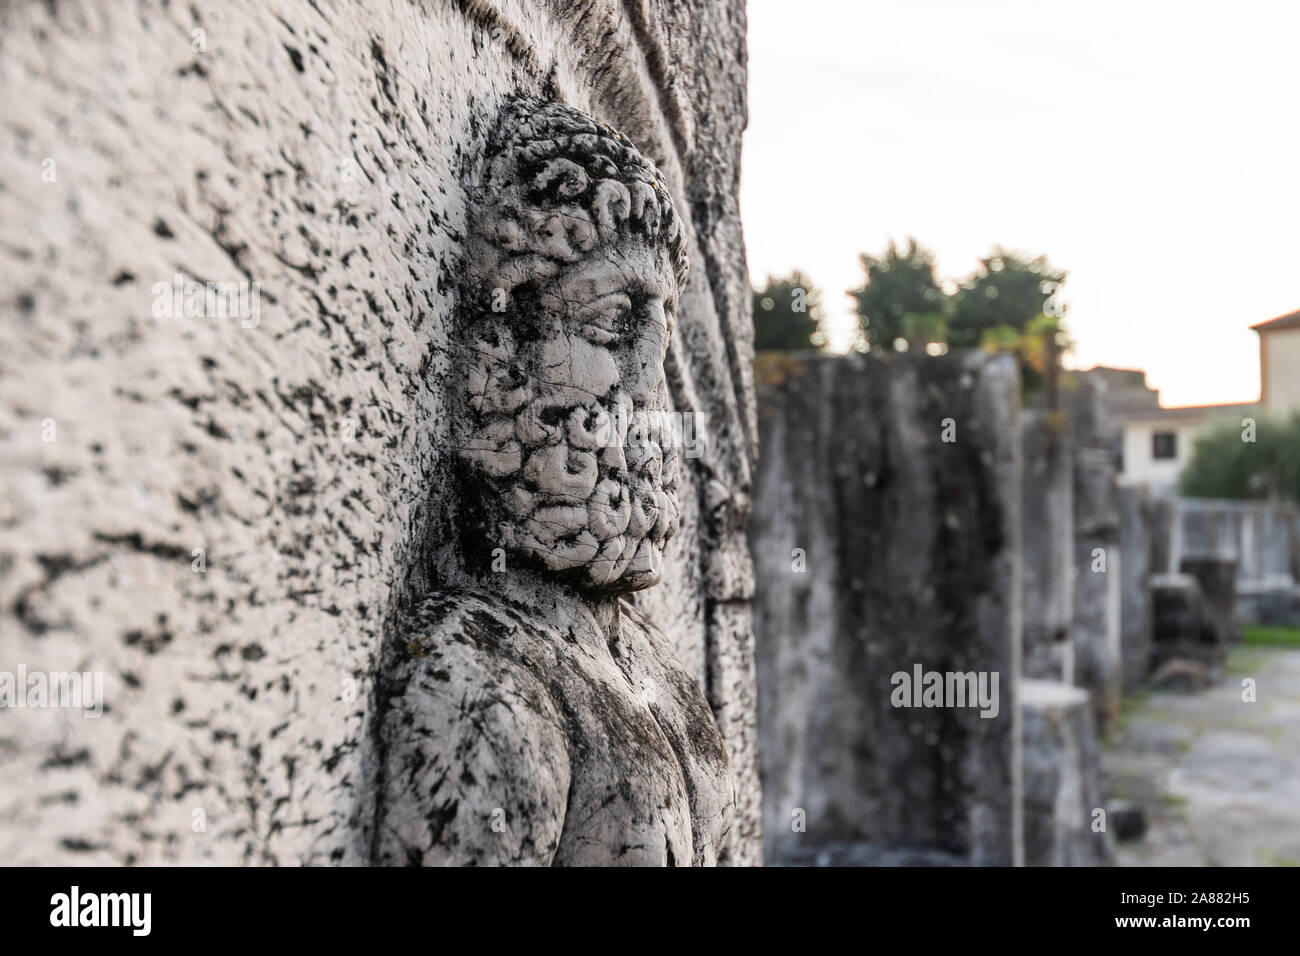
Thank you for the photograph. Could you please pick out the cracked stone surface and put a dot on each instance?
(228, 516)
(528, 715)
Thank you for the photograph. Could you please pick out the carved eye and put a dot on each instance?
(605, 320)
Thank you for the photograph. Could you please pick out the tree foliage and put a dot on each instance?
(899, 287)
(1009, 303)
(1227, 463)
(1005, 289)
(788, 315)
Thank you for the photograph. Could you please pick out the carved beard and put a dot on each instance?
(583, 486)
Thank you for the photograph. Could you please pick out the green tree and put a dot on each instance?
(1239, 461)
(788, 315)
(1006, 289)
(900, 299)
(1010, 303)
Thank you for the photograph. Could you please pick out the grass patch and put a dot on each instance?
(1260, 635)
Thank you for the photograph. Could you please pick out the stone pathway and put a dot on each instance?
(1219, 778)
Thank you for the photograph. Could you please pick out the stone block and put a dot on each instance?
(1270, 603)
(1178, 608)
(1183, 625)
(1217, 578)
(1061, 771)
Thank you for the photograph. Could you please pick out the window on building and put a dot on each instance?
(1164, 445)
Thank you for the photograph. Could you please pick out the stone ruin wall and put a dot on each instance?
(962, 555)
(224, 516)
(910, 554)
(1098, 558)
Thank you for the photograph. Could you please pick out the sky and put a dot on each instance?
(1152, 149)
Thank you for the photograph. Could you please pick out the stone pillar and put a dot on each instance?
(886, 538)
(225, 511)
(1096, 625)
(1165, 539)
(1273, 524)
(1047, 536)
(1135, 510)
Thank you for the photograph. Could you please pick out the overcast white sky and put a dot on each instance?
(1150, 148)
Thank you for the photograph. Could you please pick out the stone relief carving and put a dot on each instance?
(530, 714)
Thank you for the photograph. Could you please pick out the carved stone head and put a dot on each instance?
(576, 259)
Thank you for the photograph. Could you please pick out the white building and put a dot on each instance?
(1156, 443)
(1279, 363)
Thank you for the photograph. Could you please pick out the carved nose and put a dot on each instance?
(656, 324)
(643, 365)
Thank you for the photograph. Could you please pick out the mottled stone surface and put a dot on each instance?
(879, 546)
(1061, 778)
(1047, 539)
(226, 517)
(525, 734)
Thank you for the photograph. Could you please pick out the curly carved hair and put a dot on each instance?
(558, 185)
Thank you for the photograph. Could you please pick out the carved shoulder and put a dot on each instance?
(476, 767)
(678, 703)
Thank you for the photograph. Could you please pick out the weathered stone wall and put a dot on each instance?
(1047, 541)
(878, 546)
(1258, 536)
(1095, 629)
(225, 515)
(1261, 538)
(1135, 529)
